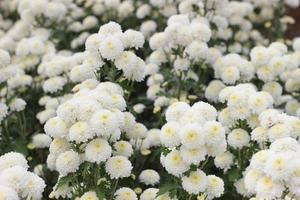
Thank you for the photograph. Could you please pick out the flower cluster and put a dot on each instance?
(15, 181)
(190, 135)
(274, 171)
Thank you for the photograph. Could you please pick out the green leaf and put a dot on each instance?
(233, 175)
(166, 188)
(66, 180)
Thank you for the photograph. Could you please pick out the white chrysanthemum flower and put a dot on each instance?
(91, 195)
(132, 38)
(260, 101)
(125, 193)
(224, 161)
(68, 162)
(176, 111)
(118, 167)
(251, 178)
(59, 145)
(259, 134)
(149, 194)
(259, 159)
(32, 187)
(54, 84)
(230, 75)
(268, 118)
(278, 131)
(285, 145)
(197, 50)
(41, 140)
(195, 182)
(149, 177)
(13, 177)
(181, 64)
(206, 110)
(17, 104)
(238, 138)
(80, 132)
(138, 131)
(4, 58)
(214, 132)
(192, 136)
(279, 167)
(104, 122)
(266, 188)
(169, 135)
(215, 187)
(193, 156)
(12, 159)
(110, 28)
(3, 111)
(174, 163)
(111, 47)
(97, 150)
(213, 89)
(123, 148)
(56, 127)
(7, 193)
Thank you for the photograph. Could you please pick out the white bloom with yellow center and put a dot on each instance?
(123, 148)
(80, 132)
(97, 150)
(174, 163)
(56, 127)
(169, 135)
(111, 47)
(149, 194)
(91, 195)
(68, 162)
(215, 187)
(238, 138)
(266, 188)
(125, 193)
(259, 134)
(176, 111)
(7, 193)
(104, 122)
(195, 182)
(193, 156)
(118, 167)
(224, 161)
(192, 136)
(149, 177)
(214, 132)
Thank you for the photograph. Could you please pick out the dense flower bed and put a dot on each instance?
(149, 100)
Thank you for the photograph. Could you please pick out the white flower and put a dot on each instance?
(123, 148)
(118, 167)
(224, 161)
(149, 194)
(68, 162)
(132, 38)
(17, 104)
(181, 64)
(279, 166)
(3, 111)
(41, 140)
(149, 177)
(110, 28)
(238, 138)
(125, 193)
(215, 187)
(80, 132)
(7, 193)
(266, 188)
(56, 127)
(4, 58)
(104, 122)
(91, 195)
(193, 156)
(192, 136)
(169, 134)
(176, 110)
(174, 163)
(111, 47)
(12, 159)
(195, 182)
(98, 150)
(214, 132)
